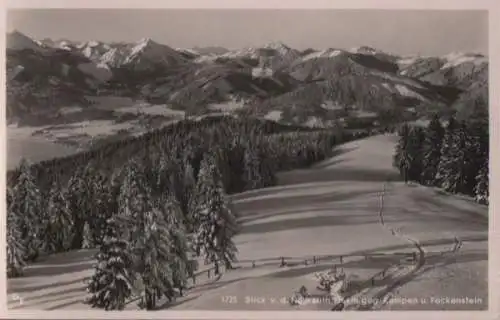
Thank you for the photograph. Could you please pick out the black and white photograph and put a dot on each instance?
(247, 160)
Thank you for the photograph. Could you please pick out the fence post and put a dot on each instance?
(341, 260)
(282, 262)
(314, 259)
(253, 264)
(305, 262)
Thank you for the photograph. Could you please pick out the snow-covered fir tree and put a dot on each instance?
(99, 194)
(112, 282)
(180, 250)
(78, 206)
(446, 155)
(481, 191)
(477, 152)
(153, 257)
(27, 205)
(402, 156)
(147, 230)
(432, 150)
(252, 171)
(189, 184)
(88, 239)
(58, 234)
(134, 201)
(215, 222)
(455, 161)
(15, 246)
(415, 152)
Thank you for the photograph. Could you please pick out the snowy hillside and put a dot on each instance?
(143, 54)
(319, 209)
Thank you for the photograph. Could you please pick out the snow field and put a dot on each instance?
(330, 210)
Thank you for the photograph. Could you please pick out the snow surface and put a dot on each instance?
(226, 106)
(273, 115)
(262, 72)
(405, 91)
(65, 69)
(328, 53)
(329, 210)
(457, 58)
(330, 105)
(157, 109)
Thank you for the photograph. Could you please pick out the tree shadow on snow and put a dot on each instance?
(68, 257)
(472, 215)
(61, 295)
(337, 174)
(51, 270)
(67, 304)
(312, 222)
(335, 153)
(13, 288)
(250, 208)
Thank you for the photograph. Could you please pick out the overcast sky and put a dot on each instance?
(403, 32)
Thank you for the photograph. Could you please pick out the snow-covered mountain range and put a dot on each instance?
(270, 77)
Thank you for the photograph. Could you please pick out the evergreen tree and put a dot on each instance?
(477, 152)
(134, 201)
(77, 206)
(58, 232)
(27, 205)
(153, 257)
(446, 155)
(432, 150)
(99, 194)
(113, 191)
(482, 184)
(455, 162)
(179, 259)
(147, 230)
(88, 240)
(215, 222)
(189, 184)
(402, 156)
(15, 247)
(252, 163)
(258, 166)
(415, 152)
(113, 278)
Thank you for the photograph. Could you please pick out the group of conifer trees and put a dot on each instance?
(151, 216)
(453, 157)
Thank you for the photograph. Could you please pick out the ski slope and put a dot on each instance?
(328, 211)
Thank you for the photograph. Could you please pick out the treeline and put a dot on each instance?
(153, 203)
(453, 157)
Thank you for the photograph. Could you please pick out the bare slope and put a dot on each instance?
(329, 210)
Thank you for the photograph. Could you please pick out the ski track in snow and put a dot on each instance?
(329, 210)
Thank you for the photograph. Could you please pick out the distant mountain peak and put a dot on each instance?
(276, 45)
(17, 40)
(366, 50)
